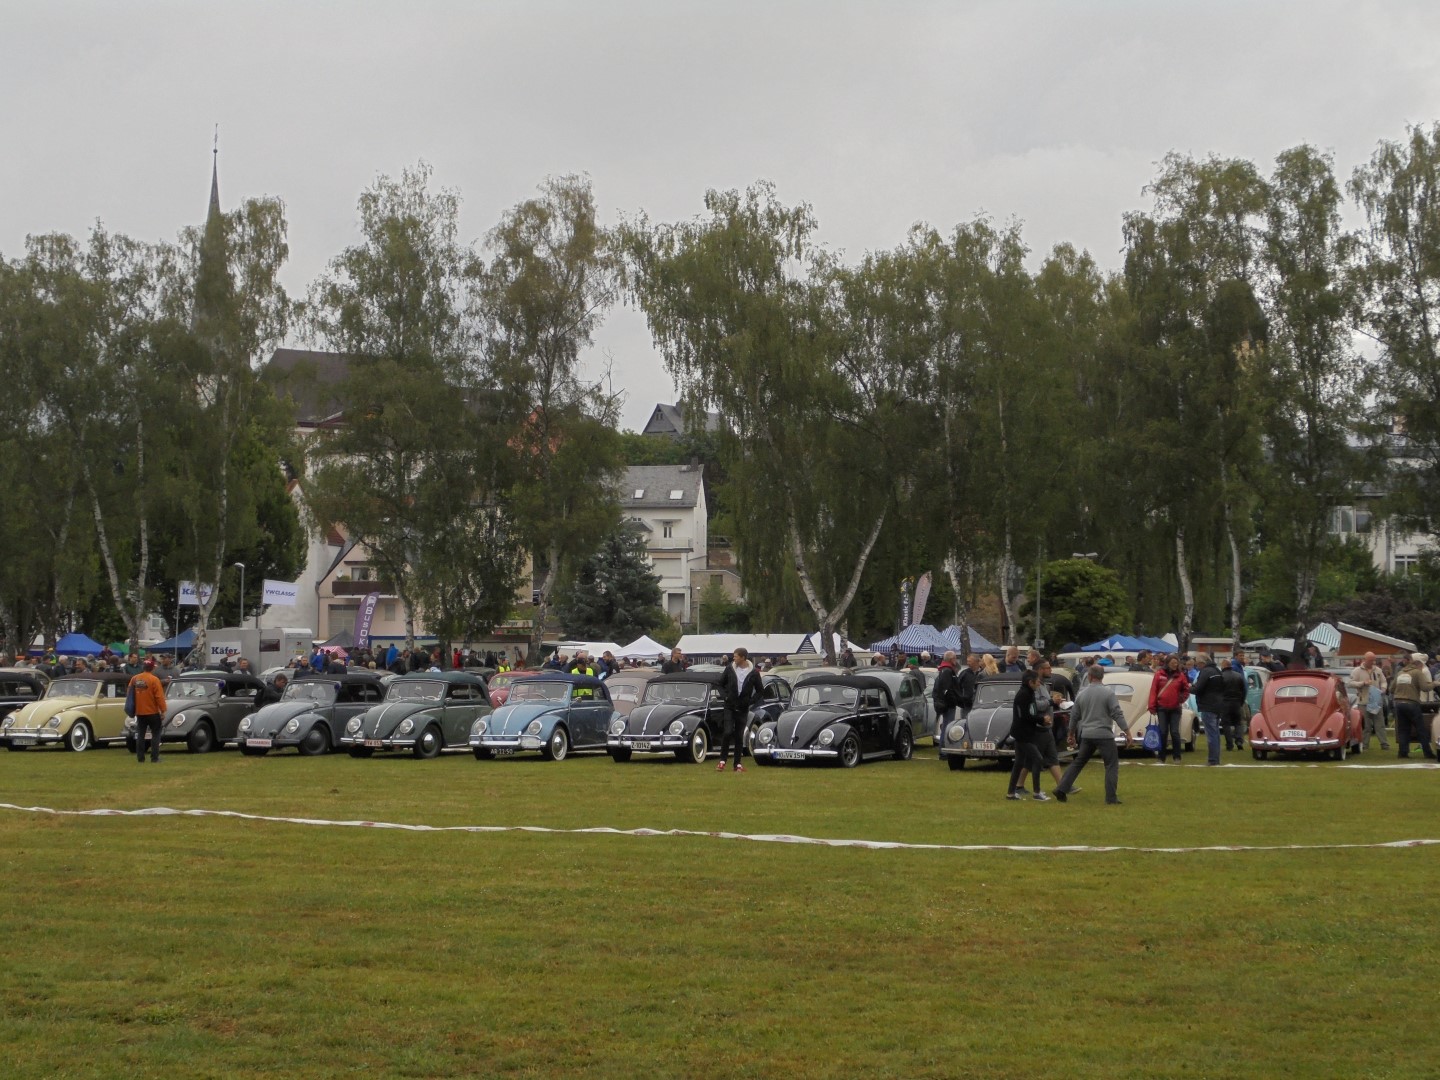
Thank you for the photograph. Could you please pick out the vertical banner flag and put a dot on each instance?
(922, 597)
(283, 593)
(904, 603)
(364, 618)
(193, 597)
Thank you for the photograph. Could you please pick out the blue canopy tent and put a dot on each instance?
(917, 638)
(1128, 643)
(979, 643)
(78, 645)
(180, 643)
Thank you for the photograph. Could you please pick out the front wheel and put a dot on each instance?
(201, 740)
(904, 743)
(850, 752)
(427, 746)
(557, 746)
(956, 762)
(698, 746)
(315, 743)
(620, 754)
(80, 737)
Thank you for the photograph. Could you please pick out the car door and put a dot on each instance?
(239, 699)
(108, 720)
(458, 713)
(592, 715)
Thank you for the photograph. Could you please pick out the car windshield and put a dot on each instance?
(823, 694)
(192, 688)
(1293, 692)
(1123, 691)
(74, 688)
(420, 690)
(676, 693)
(995, 695)
(536, 690)
(623, 691)
(310, 691)
(500, 680)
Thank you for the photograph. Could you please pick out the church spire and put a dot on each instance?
(212, 283)
(214, 179)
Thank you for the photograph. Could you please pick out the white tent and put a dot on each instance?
(698, 645)
(642, 648)
(594, 648)
(816, 643)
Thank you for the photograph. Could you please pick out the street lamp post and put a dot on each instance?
(241, 621)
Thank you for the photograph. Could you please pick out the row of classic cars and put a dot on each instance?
(825, 715)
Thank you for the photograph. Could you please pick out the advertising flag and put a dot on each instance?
(364, 618)
(192, 597)
(282, 593)
(922, 597)
(904, 603)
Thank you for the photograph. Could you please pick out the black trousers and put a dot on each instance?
(1027, 756)
(1410, 724)
(152, 724)
(734, 728)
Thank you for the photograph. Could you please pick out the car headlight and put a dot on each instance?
(179, 719)
(353, 725)
(767, 736)
(129, 723)
(533, 728)
(677, 728)
(292, 727)
(617, 727)
(827, 737)
(955, 732)
(7, 721)
(54, 722)
(405, 726)
(245, 724)
(479, 727)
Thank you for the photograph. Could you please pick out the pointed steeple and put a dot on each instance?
(214, 181)
(212, 274)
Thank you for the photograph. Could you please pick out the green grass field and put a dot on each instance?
(212, 947)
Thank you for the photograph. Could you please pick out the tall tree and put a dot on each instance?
(613, 595)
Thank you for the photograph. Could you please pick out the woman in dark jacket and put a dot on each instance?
(1024, 722)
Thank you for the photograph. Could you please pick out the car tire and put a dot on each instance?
(904, 744)
(621, 754)
(79, 738)
(698, 746)
(482, 754)
(849, 752)
(557, 747)
(956, 761)
(315, 743)
(362, 751)
(202, 739)
(428, 744)
(1342, 751)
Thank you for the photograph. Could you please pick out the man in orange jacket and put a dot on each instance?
(149, 695)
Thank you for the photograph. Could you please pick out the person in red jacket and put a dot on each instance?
(1168, 693)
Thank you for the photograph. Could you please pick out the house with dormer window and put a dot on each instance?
(667, 504)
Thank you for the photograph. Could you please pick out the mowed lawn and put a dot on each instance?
(194, 947)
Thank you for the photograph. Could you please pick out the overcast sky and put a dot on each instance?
(877, 114)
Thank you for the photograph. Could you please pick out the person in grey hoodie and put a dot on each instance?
(1092, 719)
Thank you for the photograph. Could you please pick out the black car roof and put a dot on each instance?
(218, 675)
(103, 676)
(711, 677)
(859, 682)
(571, 677)
(468, 678)
(346, 677)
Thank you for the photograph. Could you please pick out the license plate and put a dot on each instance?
(260, 742)
(641, 744)
(23, 740)
(1294, 734)
(506, 752)
(374, 742)
(789, 755)
(985, 744)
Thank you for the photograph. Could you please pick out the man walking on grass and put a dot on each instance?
(1092, 719)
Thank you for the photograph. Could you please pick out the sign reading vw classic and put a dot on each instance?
(284, 593)
(221, 650)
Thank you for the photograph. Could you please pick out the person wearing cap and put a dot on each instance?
(149, 697)
(1411, 682)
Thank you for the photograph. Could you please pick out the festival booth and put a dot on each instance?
(922, 637)
(642, 648)
(714, 647)
(78, 645)
(814, 645)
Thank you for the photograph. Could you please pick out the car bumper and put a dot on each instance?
(32, 738)
(1293, 745)
(502, 742)
(792, 753)
(966, 752)
(647, 744)
(377, 744)
(263, 742)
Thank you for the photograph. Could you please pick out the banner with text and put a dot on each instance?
(192, 597)
(364, 618)
(922, 597)
(222, 650)
(283, 593)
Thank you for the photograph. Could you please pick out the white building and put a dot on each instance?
(667, 503)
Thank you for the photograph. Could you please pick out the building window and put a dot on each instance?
(387, 611)
(361, 573)
(342, 618)
(676, 495)
(1405, 563)
(668, 529)
(639, 493)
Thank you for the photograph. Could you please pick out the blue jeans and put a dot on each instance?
(943, 719)
(1212, 737)
(1169, 721)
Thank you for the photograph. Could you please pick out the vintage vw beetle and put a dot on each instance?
(1306, 710)
(77, 712)
(627, 687)
(985, 733)
(909, 690)
(311, 714)
(840, 718)
(20, 686)
(684, 714)
(555, 712)
(1132, 691)
(424, 712)
(498, 685)
(204, 708)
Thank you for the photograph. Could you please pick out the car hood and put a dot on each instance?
(654, 718)
(381, 721)
(34, 716)
(798, 727)
(513, 719)
(992, 724)
(272, 718)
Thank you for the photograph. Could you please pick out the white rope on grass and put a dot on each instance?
(1287, 765)
(762, 838)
